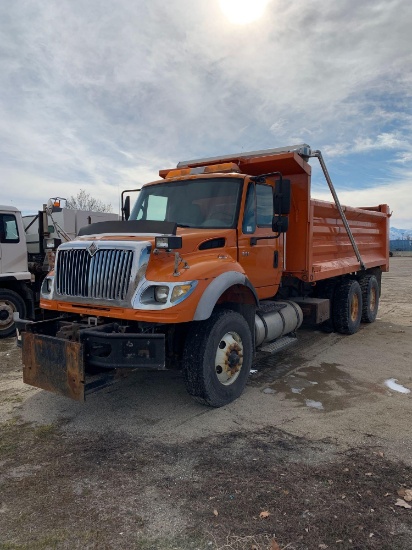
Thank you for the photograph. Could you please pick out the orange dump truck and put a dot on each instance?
(219, 258)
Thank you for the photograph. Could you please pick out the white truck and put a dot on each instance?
(27, 250)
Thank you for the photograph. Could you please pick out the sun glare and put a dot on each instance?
(241, 12)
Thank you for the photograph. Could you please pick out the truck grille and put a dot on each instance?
(106, 275)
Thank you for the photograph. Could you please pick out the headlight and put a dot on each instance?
(169, 242)
(179, 291)
(161, 293)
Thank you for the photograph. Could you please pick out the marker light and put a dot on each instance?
(179, 291)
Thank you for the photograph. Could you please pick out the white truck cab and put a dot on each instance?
(13, 247)
(14, 272)
(24, 259)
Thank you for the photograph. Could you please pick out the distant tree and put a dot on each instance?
(84, 201)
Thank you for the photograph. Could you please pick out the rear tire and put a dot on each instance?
(10, 302)
(347, 307)
(370, 298)
(217, 358)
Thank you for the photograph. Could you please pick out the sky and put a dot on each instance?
(100, 95)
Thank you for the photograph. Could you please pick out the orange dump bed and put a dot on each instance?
(318, 246)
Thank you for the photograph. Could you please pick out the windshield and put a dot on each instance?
(199, 203)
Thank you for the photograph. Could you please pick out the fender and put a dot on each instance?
(216, 288)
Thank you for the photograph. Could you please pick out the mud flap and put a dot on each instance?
(54, 364)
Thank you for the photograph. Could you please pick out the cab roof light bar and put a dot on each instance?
(302, 149)
(223, 168)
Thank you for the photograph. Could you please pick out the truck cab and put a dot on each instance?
(13, 259)
(14, 270)
(224, 214)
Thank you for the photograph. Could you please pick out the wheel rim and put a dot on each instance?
(373, 299)
(6, 314)
(354, 308)
(229, 358)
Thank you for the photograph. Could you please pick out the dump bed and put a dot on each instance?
(318, 246)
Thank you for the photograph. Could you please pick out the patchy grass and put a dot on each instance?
(62, 490)
(45, 543)
(188, 542)
(14, 398)
(46, 431)
(10, 436)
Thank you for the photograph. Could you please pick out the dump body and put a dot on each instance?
(318, 246)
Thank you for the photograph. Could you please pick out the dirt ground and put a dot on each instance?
(314, 455)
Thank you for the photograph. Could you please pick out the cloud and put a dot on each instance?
(394, 193)
(403, 158)
(382, 141)
(101, 98)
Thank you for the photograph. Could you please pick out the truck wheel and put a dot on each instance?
(347, 307)
(370, 298)
(217, 358)
(10, 302)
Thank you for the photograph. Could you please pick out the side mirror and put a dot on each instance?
(126, 208)
(282, 197)
(280, 224)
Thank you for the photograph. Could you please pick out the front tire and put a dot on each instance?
(347, 307)
(217, 358)
(10, 302)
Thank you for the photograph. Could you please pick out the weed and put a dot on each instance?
(48, 430)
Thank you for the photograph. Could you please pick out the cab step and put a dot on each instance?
(279, 344)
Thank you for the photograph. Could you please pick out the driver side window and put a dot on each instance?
(8, 229)
(258, 207)
(249, 218)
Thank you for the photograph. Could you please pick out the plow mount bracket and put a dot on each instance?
(54, 365)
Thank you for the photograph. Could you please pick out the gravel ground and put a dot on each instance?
(311, 456)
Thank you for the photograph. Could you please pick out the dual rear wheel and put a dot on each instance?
(370, 298)
(355, 302)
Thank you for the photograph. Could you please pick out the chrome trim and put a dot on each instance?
(109, 277)
(138, 304)
(44, 294)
